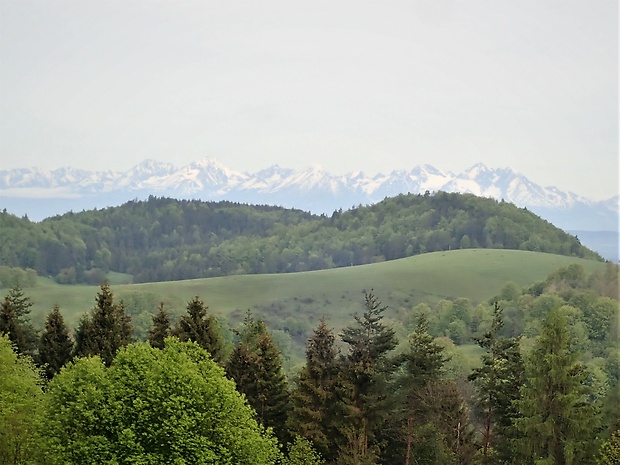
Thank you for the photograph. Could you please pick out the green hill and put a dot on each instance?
(476, 274)
(169, 240)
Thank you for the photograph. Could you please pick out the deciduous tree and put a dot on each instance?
(151, 406)
(20, 406)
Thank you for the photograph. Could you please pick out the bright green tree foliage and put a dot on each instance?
(609, 453)
(14, 321)
(301, 452)
(315, 406)
(366, 372)
(55, 345)
(20, 406)
(106, 331)
(559, 420)
(161, 328)
(497, 389)
(256, 367)
(151, 406)
(201, 328)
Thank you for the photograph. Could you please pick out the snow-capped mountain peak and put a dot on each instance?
(311, 188)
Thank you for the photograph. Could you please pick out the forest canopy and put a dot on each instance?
(163, 239)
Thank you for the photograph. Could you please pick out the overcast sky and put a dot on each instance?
(375, 86)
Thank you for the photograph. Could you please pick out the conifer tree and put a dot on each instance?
(367, 371)
(55, 345)
(497, 384)
(558, 421)
(161, 328)
(201, 328)
(422, 364)
(256, 367)
(14, 321)
(106, 330)
(314, 401)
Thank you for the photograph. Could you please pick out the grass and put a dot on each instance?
(477, 274)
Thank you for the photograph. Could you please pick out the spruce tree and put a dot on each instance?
(559, 421)
(314, 413)
(161, 328)
(422, 364)
(106, 330)
(14, 321)
(256, 367)
(201, 328)
(366, 373)
(497, 385)
(55, 345)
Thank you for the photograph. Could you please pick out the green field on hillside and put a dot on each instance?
(477, 274)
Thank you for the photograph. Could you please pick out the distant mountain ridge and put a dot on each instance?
(41, 193)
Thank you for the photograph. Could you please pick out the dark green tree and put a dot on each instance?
(14, 321)
(314, 400)
(256, 367)
(161, 328)
(201, 328)
(422, 364)
(559, 420)
(497, 386)
(366, 373)
(55, 345)
(106, 330)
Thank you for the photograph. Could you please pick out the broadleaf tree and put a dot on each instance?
(152, 406)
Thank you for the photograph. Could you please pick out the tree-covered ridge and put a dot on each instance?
(165, 239)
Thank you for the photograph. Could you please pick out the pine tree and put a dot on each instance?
(558, 419)
(55, 345)
(422, 364)
(201, 328)
(256, 367)
(106, 330)
(14, 321)
(314, 400)
(366, 372)
(161, 328)
(497, 383)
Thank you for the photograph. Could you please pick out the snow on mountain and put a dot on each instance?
(312, 189)
(263, 180)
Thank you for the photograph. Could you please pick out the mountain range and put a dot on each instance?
(41, 193)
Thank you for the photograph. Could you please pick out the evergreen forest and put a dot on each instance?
(541, 387)
(163, 239)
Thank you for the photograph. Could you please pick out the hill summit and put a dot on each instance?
(41, 193)
(164, 239)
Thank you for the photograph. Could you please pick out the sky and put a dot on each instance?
(371, 86)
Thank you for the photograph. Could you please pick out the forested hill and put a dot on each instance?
(165, 239)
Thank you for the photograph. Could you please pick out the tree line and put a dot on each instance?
(542, 395)
(163, 239)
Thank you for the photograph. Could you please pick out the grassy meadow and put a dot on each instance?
(477, 274)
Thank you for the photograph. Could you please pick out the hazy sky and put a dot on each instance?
(348, 85)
